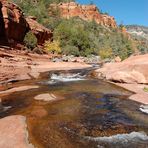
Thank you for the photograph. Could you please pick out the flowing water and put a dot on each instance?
(87, 113)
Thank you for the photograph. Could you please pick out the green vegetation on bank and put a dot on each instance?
(38, 8)
(83, 38)
(30, 40)
(76, 36)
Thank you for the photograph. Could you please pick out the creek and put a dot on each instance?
(85, 113)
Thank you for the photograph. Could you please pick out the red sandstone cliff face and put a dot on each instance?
(42, 33)
(85, 12)
(14, 25)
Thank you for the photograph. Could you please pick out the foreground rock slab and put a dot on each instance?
(13, 132)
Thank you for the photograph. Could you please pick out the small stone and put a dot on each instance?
(117, 59)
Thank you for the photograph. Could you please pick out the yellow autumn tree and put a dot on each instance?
(52, 47)
(105, 53)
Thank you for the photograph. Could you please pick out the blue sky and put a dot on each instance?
(124, 11)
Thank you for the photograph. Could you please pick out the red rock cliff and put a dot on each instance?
(14, 25)
(85, 12)
(42, 33)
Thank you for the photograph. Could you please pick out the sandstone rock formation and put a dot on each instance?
(131, 70)
(85, 12)
(42, 33)
(13, 25)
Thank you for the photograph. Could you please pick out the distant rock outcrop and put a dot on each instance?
(85, 12)
(138, 31)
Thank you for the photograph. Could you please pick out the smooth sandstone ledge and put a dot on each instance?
(27, 72)
(13, 132)
(17, 89)
(140, 95)
(45, 97)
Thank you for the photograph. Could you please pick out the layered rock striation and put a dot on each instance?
(85, 12)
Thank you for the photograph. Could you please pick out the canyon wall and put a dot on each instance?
(85, 12)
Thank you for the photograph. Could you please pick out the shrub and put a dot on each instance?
(70, 50)
(52, 47)
(91, 38)
(30, 40)
(38, 50)
(145, 89)
(105, 53)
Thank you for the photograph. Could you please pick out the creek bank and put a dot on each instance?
(19, 65)
(132, 70)
(138, 89)
(131, 74)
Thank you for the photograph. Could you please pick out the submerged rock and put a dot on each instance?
(13, 132)
(38, 112)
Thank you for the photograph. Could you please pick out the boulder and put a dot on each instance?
(132, 70)
(42, 33)
(13, 25)
(117, 59)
